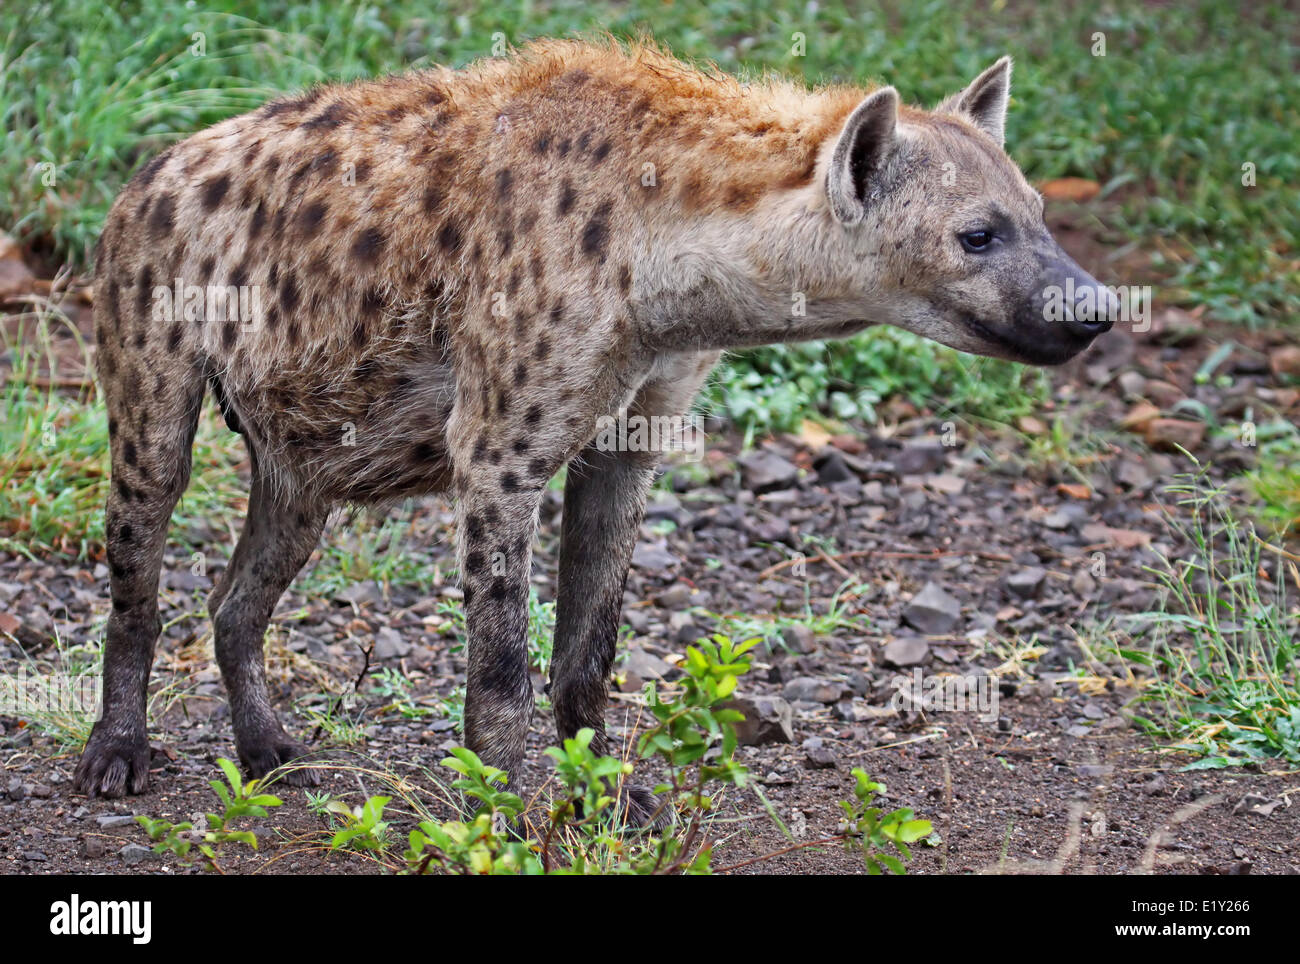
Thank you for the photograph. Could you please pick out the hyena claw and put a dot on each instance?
(112, 765)
(264, 757)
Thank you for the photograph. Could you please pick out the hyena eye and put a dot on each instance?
(976, 240)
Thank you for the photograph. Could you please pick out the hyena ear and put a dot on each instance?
(869, 137)
(984, 102)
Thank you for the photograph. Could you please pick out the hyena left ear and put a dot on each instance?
(984, 102)
(869, 137)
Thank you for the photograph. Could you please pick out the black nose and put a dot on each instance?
(1091, 309)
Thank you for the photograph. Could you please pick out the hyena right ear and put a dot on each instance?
(869, 137)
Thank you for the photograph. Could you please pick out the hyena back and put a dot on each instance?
(459, 272)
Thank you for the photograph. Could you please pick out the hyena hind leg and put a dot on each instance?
(276, 541)
(150, 469)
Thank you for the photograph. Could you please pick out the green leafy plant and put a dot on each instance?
(871, 833)
(238, 799)
(364, 827)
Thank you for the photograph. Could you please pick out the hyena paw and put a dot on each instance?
(640, 807)
(114, 763)
(260, 757)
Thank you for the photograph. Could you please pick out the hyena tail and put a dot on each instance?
(153, 387)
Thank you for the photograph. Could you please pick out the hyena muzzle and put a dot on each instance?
(457, 273)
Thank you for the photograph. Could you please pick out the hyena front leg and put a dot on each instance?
(604, 502)
(277, 539)
(505, 447)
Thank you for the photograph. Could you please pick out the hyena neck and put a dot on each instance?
(783, 272)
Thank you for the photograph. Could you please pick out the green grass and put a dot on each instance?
(1184, 96)
(1223, 649)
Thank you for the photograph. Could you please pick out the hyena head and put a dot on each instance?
(966, 258)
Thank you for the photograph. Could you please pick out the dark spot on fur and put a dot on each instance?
(228, 335)
(289, 294)
(368, 244)
(521, 374)
(449, 238)
(147, 173)
(163, 218)
(331, 117)
(310, 218)
(129, 454)
(174, 337)
(542, 348)
(257, 222)
(596, 234)
(533, 415)
(520, 446)
(567, 198)
(504, 179)
(214, 191)
(601, 152)
(625, 280)
(538, 468)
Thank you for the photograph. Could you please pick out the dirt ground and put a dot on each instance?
(1027, 557)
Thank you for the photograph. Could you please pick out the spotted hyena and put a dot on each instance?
(460, 272)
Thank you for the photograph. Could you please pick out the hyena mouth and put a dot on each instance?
(1055, 351)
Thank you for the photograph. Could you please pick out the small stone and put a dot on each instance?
(906, 651)
(765, 471)
(133, 853)
(768, 719)
(1082, 583)
(820, 758)
(921, 457)
(389, 644)
(832, 468)
(676, 596)
(1172, 433)
(1094, 770)
(800, 638)
(1026, 583)
(1285, 360)
(115, 820)
(811, 690)
(932, 611)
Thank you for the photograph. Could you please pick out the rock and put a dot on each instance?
(676, 596)
(1026, 583)
(932, 611)
(768, 719)
(908, 651)
(94, 846)
(389, 644)
(16, 789)
(832, 468)
(133, 853)
(1132, 383)
(1082, 584)
(1094, 770)
(115, 820)
(1285, 360)
(653, 558)
(811, 690)
(1172, 433)
(820, 758)
(800, 638)
(1163, 394)
(765, 471)
(921, 457)
(647, 667)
